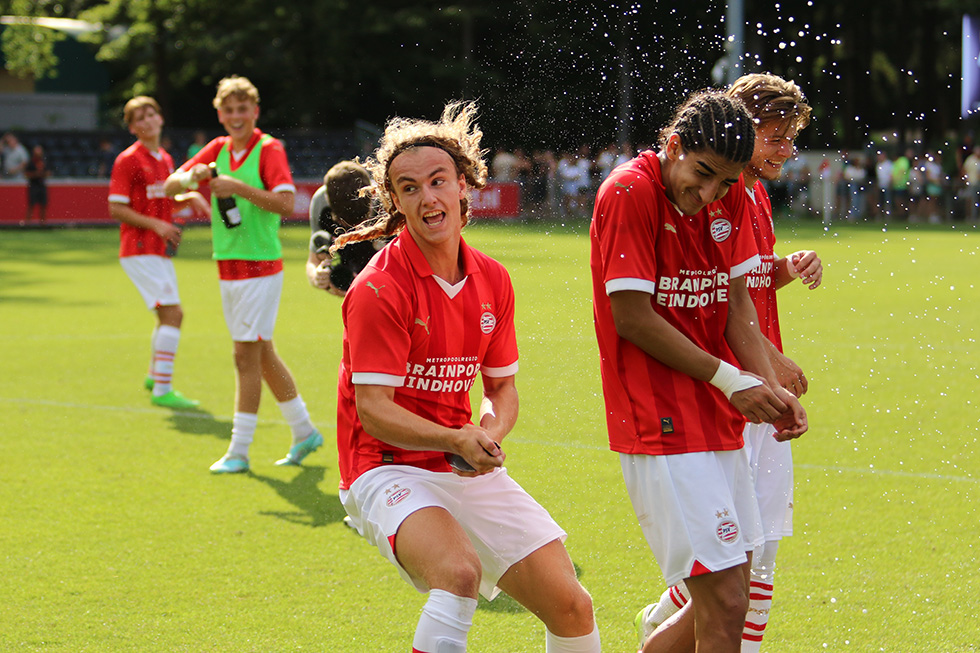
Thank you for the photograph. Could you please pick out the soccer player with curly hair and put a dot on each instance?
(420, 480)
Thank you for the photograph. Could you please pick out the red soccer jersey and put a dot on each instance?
(761, 281)
(273, 164)
(404, 329)
(137, 181)
(640, 241)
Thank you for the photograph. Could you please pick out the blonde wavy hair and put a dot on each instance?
(456, 133)
(770, 98)
(237, 87)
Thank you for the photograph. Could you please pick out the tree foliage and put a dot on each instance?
(27, 48)
(553, 73)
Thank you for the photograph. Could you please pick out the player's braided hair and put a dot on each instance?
(456, 133)
(710, 120)
(770, 98)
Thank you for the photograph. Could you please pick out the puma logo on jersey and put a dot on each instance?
(670, 227)
(425, 324)
(624, 186)
(377, 291)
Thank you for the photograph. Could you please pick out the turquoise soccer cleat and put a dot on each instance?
(300, 451)
(230, 464)
(175, 400)
(148, 382)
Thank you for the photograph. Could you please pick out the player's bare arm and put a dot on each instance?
(499, 407)
(278, 202)
(638, 322)
(748, 343)
(788, 373)
(804, 265)
(387, 421)
(165, 230)
(195, 201)
(183, 180)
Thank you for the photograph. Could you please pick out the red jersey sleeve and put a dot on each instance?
(121, 180)
(501, 356)
(206, 154)
(274, 167)
(625, 227)
(376, 310)
(745, 255)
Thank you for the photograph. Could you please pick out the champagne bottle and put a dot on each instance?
(227, 206)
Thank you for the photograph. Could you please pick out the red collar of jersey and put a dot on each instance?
(421, 265)
(650, 162)
(256, 135)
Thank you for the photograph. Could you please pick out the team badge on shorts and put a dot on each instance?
(721, 229)
(727, 531)
(487, 323)
(396, 494)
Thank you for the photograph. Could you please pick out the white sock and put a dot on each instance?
(584, 644)
(242, 432)
(153, 348)
(295, 413)
(760, 596)
(671, 601)
(165, 341)
(444, 624)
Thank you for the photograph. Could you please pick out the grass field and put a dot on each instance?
(114, 536)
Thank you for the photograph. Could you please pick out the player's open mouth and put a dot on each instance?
(433, 218)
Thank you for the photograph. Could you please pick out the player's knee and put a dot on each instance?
(580, 608)
(571, 613)
(729, 613)
(460, 576)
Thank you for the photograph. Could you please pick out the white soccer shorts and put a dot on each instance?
(504, 523)
(698, 511)
(251, 306)
(154, 277)
(772, 467)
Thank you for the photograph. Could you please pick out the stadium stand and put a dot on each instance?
(76, 154)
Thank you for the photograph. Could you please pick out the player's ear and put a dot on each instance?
(462, 186)
(674, 149)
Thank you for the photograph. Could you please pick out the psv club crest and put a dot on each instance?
(487, 322)
(721, 228)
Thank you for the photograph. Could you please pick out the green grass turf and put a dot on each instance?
(114, 537)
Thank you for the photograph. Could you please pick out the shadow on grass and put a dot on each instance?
(200, 422)
(315, 508)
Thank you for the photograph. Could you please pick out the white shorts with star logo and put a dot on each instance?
(698, 511)
(504, 523)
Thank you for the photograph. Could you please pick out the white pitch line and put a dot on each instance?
(889, 472)
(518, 440)
(848, 470)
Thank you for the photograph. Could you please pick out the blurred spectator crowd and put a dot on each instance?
(912, 184)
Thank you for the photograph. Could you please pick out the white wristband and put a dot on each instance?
(730, 380)
(185, 179)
